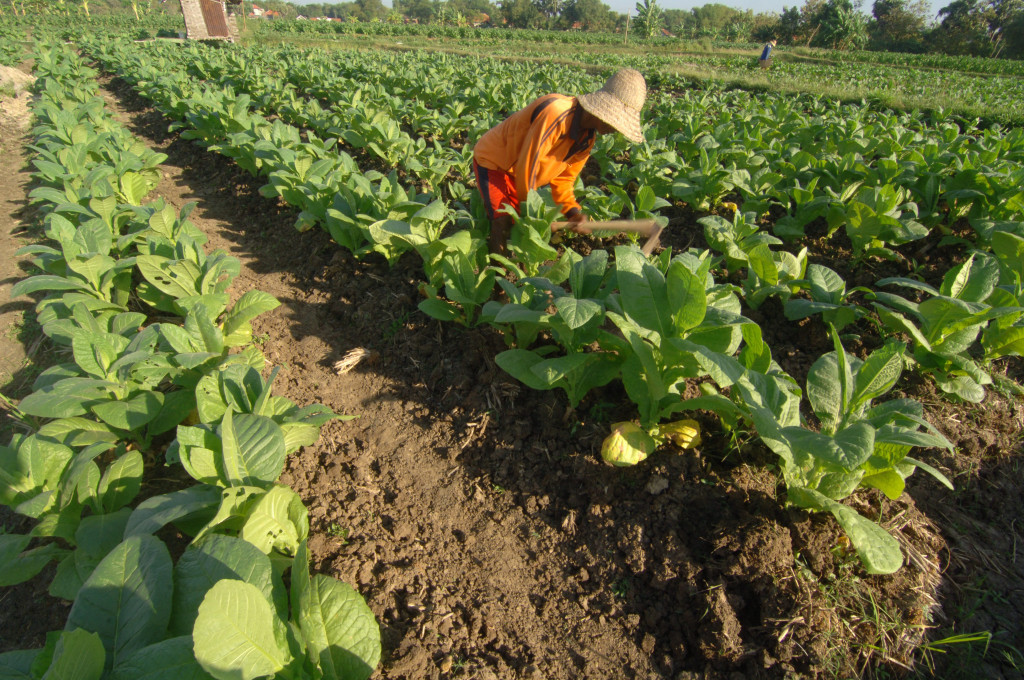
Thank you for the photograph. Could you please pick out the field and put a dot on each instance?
(410, 426)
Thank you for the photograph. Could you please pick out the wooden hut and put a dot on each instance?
(209, 20)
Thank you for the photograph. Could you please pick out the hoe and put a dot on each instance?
(648, 228)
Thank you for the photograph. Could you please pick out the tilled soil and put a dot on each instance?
(478, 521)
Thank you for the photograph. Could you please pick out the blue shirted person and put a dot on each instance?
(766, 55)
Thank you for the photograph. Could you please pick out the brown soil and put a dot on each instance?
(478, 521)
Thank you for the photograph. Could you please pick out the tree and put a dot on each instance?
(474, 8)
(963, 28)
(1015, 37)
(420, 10)
(790, 26)
(648, 18)
(676, 21)
(841, 26)
(520, 13)
(1000, 15)
(592, 15)
(370, 10)
(550, 10)
(898, 22)
(713, 19)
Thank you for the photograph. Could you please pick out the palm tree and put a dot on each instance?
(648, 18)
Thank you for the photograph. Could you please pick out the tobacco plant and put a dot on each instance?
(945, 326)
(828, 297)
(858, 443)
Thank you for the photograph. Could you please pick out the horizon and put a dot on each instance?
(772, 6)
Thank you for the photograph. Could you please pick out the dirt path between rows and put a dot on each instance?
(460, 577)
(476, 518)
(17, 339)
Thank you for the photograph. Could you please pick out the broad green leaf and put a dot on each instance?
(972, 280)
(249, 306)
(77, 431)
(888, 482)
(34, 284)
(127, 599)
(877, 375)
(18, 565)
(962, 386)
(339, 630)
(824, 392)
(1003, 342)
(62, 400)
(171, 659)
(762, 263)
(643, 292)
(215, 558)
(176, 278)
(154, 513)
(438, 309)
(134, 187)
(235, 506)
(96, 352)
(130, 414)
(175, 409)
(29, 466)
(826, 284)
(900, 323)
(121, 481)
(686, 297)
(79, 655)
(587, 275)
(1009, 249)
(95, 537)
(234, 633)
(17, 665)
(519, 363)
(203, 331)
(848, 449)
(576, 313)
(277, 521)
(253, 449)
(879, 552)
(92, 269)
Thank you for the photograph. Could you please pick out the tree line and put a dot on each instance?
(981, 28)
(984, 28)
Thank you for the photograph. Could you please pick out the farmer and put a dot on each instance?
(549, 142)
(766, 55)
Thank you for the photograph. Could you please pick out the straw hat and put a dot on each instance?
(618, 103)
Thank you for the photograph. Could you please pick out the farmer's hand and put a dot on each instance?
(575, 216)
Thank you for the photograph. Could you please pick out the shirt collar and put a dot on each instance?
(580, 136)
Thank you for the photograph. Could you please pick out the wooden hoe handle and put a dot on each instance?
(644, 227)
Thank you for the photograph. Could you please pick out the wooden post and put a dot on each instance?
(626, 39)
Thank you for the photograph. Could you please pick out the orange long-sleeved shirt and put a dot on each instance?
(544, 143)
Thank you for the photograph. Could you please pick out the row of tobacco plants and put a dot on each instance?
(970, 86)
(308, 121)
(161, 380)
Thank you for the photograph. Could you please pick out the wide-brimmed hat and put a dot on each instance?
(618, 103)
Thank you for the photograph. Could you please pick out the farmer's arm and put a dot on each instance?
(562, 187)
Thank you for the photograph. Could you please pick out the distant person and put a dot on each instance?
(548, 143)
(766, 54)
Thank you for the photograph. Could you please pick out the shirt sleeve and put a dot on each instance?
(562, 187)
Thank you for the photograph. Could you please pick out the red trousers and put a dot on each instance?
(497, 188)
